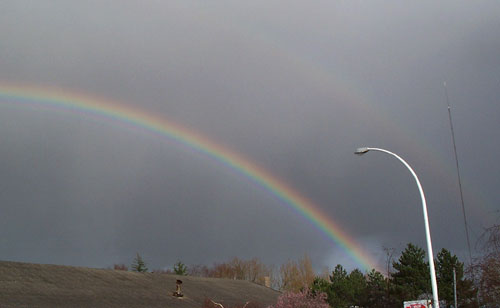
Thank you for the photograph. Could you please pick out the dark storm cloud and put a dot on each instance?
(295, 87)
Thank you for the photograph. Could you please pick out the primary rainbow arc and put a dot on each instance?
(75, 102)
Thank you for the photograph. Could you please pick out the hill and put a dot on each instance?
(41, 285)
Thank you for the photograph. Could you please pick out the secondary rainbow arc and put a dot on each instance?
(84, 103)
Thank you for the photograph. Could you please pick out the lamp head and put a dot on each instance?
(361, 151)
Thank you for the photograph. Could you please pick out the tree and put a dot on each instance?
(489, 267)
(139, 265)
(338, 295)
(295, 275)
(445, 263)
(411, 278)
(354, 289)
(222, 270)
(239, 269)
(356, 282)
(180, 268)
(301, 299)
(490, 281)
(466, 294)
(120, 267)
(199, 270)
(320, 285)
(376, 292)
(256, 271)
(389, 253)
(252, 270)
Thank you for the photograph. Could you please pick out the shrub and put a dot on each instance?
(120, 267)
(302, 299)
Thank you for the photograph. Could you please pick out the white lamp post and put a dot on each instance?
(361, 151)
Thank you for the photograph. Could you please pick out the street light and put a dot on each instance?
(361, 151)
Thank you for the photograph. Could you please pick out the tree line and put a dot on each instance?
(407, 278)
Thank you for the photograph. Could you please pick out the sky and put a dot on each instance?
(293, 86)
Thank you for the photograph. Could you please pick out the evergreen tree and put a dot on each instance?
(339, 288)
(139, 265)
(320, 285)
(180, 268)
(411, 278)
(376, 293)
(445, 263)
(357, 287)
(343, 290)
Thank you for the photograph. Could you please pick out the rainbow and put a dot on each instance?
(118, 112)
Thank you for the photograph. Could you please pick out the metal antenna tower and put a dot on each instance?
(458, 172)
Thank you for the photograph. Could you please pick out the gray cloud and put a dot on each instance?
(294, 87)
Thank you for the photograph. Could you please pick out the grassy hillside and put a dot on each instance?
(39, 285)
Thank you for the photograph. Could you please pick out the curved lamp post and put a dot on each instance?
(361, 151)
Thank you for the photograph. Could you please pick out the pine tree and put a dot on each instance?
(180, 268)
(339, 289)
(139, 265)
(411, 277)
(356, 282)
(376, 295)
(445, 264)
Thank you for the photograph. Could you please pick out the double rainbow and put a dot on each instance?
(118, 112)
